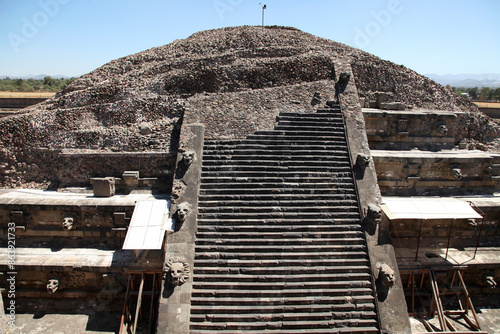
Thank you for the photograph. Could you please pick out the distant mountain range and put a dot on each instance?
(36, 77)
(467, 80)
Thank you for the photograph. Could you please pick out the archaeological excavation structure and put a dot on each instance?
(252, 180)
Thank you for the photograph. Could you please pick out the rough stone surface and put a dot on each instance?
(262, 70)
(175, 301)
(391, 305)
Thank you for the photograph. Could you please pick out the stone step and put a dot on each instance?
(306, 124)
(330, 156)
(317, 118)
(222, 159)
(278, 215)
(232, 248)
(271, 209)
(286, 188)
(302, 300)
(290, 153)
(342, 171)
(278, 228)
(274, 146)
(284, 173)
(364, 326)
(339, 330)
(249, 309)
(309, 262)
(274, 256)
(277, 242)
(334, 113)
(298, 270)
(279, 202)
(276, 188)
(278, 235)
(282, 285)
(219, 163)
(335, 108)
(339, 166)
(293, 222)
(297, 132)
(278, 145)
(279, 246)
(292, 316)
(324, 129)
(270, 149)
(237, 189)
(276, 180)
(271, 137)
(277, 197)
(237, 293)
(345, 277)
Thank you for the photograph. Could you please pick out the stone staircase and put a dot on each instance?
(279, 247)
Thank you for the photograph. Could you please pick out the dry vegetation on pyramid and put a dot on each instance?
(136, 103)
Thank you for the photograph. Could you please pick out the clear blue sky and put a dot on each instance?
(73, 37)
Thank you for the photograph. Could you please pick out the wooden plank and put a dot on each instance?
(412, 280)
(138, 307)
(151, 307)
(426, 324)
(468, 301)
(450, 326)
(122, 321)
(437, 300)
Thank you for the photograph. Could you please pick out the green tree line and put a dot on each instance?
(48, 84)
(483, 94)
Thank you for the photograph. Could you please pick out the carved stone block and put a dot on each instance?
(53, 284)
(131, 178)
(373, 214)
(363, 160)
(177, 271)
(386, 275)
(68, 223)
(104, 187)
(183, 210)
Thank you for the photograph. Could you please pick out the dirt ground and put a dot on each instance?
(63, 324)
(489, 320)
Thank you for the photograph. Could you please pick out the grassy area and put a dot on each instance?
(20, 95)
(488, 104)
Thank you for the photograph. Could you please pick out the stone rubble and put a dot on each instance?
(234, 79)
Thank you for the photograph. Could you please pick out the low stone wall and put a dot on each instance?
(405, 130)
(19, 103)
(451, 173)
(56, 168)
(175, 302)
(491, 112)
(78, 291)
(391, 305)
(92, 225)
